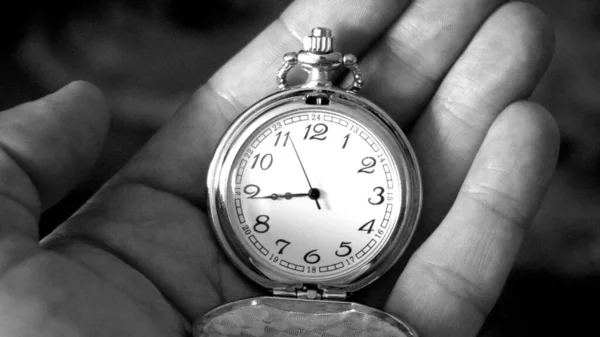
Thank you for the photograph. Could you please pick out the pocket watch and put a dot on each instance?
(314, 192)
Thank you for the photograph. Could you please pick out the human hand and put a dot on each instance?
(140, 258)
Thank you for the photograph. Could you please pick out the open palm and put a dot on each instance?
(139, 259)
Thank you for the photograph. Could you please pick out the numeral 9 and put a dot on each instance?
(253, 190)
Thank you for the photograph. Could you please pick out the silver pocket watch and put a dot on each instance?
(314, 193)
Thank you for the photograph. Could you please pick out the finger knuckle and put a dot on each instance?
(498, 204)
(462, 288)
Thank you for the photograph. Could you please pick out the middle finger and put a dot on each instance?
(407, 65)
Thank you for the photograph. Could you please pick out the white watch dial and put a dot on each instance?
(314, 195)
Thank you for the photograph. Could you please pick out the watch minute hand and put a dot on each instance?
(315, 192)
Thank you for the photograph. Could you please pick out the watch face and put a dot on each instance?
(315, 194)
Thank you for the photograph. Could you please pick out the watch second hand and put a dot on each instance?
(303, 170)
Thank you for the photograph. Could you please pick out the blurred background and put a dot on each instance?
(149, 56)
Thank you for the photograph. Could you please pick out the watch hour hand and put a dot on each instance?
(293, 195)
(273, 196)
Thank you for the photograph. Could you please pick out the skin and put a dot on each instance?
(139, 258)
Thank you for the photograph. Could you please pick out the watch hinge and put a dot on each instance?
(312, 292)
(317, 99)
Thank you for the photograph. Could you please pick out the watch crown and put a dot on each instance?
(320, 41)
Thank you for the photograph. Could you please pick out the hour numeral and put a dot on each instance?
(253, 190)
(285, 244)
(368, 227)
(319, 131)
(368, 163)
(265, 162)
(261, 225)
(379, 190)
(345, 251)
(346, 137)
(312, 257)
(285, 140)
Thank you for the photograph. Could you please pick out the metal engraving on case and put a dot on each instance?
(266, 317)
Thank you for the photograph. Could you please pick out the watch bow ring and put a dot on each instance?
(319, 60)
(314, 193)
